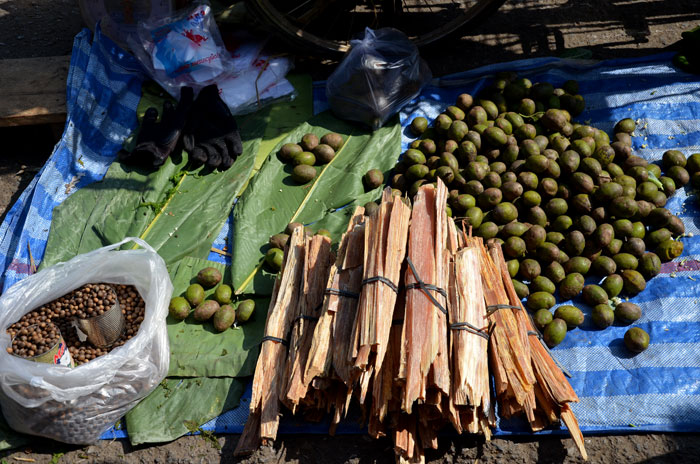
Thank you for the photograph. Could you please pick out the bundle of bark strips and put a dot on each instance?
(408, 320)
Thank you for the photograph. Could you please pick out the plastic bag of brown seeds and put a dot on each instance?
(78, 404)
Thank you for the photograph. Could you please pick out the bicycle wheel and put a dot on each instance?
(327, 26)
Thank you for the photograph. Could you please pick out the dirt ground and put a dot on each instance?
(520, 29)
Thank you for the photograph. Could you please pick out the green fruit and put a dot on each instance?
(603, 235)
(450, 160)
(504, 213)
(464, 101)
(604, 154)
(554, 272)
(639, 173)
(273, 258)
(534, 237)
(333, 140)
(556, 207)
(531, 198)
(224, 318)
(490, 198)
(457, 130)
(245, 310)
(669, 250)
(626, 125)
(554, 332)
(603, 265)
(513, 267)
(562, 223)
(529, 269)
(222, 294)
(622, 228)
(303, 173)
(614, 247)
(586, 224)
(580, 203)
(412, 157)
(309, 142)
(658, 236)
(529, 148)
(495, 136)
(548, 187)
(542, 317)
(370, 208)
(465, 201)
(548, 252)
(603, 316)
(542, 284)
(569, 314)
(594, 295)
(476, 116)
(693, 163)
(323, 153)
(569, 161)
(373, 179)
(638, 230)
(636, 340)
(634, 246)
(626, 313)
(649, 265)
(676, 226)
(582, 182)
(511, 190)
(571, 286)
(624, 207)
(179, 308)
(553, 119)
(455, 113)
(679, 175)
(442, 123)
(673, 158)
(474, 216)
(633, 282)
(514, 247)
(419, 125)
(427, 146)
(194, 294)
(579, 264)
(659, 217)
(205, 310)
(487, 230)
(520, 289)
(625, 261)
(540, 300)
(555, 237)
(289, 151)
(417, 172)
(208, 277)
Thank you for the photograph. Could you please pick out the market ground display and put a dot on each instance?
(324, 440)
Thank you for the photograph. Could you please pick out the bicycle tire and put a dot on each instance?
(277, 23)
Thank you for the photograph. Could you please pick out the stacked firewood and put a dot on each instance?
(412, 319)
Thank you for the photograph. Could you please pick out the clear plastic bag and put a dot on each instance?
(378, 76)
(185, 49)
(77, 405)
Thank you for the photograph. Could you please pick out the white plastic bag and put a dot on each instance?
(77, 405)
(185, 49)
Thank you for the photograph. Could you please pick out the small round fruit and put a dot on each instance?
(554, 332)
(194, 294)
(179, 308)
(205, 310)
(304, 158)
(224, 317)
(627, 313)
(279, 241)
(324, 153)
(303, 173)
(222, 294)
(603, 316)
(309, 142)
(273, 258)
(245, 310)
(419, 125)
(373, 179)
(208, 277)
(289, 151)
(636, 340)
(333, 140)
(542, 317)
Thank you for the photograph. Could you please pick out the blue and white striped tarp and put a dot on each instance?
(657, 390)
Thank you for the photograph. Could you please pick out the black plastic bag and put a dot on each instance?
(378, 76)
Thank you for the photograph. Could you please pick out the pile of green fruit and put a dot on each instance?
(310, 152)
(563, 199)
(218, 309)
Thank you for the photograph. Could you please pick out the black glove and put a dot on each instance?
(157, 140)
(212, 137)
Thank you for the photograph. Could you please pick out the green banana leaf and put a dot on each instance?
(178, 406)
(273, 199)
(196, 349)
(178, 212)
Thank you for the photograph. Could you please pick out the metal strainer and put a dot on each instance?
(105, 329)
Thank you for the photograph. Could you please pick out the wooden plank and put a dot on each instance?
(33, 90)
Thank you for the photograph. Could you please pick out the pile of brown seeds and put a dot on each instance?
(90, 300)
(35, 340)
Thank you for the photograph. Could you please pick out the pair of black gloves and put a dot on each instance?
(208, 129)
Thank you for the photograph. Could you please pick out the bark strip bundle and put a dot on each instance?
(408, 320)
